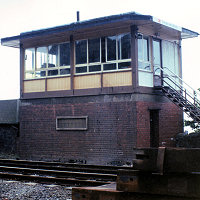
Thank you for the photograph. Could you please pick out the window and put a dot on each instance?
(81, 52)
(53, 56)
(157, 57)
(29, 63)
(88, 55)
(41, 57)
(111, 48)
(30, 59)
(91, 56)
(72, 123)
(53, 60)
(118, 50)
(143, 54)
(124, 46)
(103, 54)
(64, 54)
(94, 50)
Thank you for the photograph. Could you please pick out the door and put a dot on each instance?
(157, 62)
(154, 128)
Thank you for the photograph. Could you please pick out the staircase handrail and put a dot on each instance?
(181, 89)
(195, 91)
(187, 102)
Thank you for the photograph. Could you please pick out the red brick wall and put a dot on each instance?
(170, 123)
(113, 123)
(109, 139)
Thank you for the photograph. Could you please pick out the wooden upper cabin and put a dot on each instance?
(119, 53)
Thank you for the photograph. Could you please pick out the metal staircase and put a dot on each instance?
(180, 93)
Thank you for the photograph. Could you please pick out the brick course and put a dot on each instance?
(116, 125)
(170, 123)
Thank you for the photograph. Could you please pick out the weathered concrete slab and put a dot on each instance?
(174, 184)
(110, 193)
(171, 160)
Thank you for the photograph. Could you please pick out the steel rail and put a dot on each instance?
(61, 173)
(45, 179)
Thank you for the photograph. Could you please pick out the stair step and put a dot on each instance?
(187, 110)
(194, 114)
(175, 94)
(180, 100)
(175, 100)
(158, 87)
(181, 105)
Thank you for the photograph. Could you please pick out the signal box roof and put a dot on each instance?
(153, 26)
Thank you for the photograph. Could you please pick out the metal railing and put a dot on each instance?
(190, 93)
(187, 96)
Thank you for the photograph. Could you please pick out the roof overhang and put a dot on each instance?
(153, 25)
(186, 33)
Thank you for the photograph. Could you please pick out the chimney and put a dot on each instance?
(77, 15)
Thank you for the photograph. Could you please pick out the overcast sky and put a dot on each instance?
(18, 16)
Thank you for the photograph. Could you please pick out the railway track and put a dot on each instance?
(60, 173)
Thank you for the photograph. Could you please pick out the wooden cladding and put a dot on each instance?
(34, 86)
(117, 79)
(87, 81)
(111, 79)
(57, 84)
(42, 85)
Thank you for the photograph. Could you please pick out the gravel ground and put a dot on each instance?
(28, 190)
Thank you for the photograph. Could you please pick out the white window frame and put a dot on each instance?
(85, 118)
(149, 54)
(117, 61)
(87, 64)
(35, 70)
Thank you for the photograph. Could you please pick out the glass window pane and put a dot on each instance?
(52, 72)
(124, 65)
(39, 74)
(29, 59)
(94, 68)
(119, 45)
(53, 56)
(125, 47)
(64, 54)
(111, 66)
(29, 75)
(41, 56)
(81, 69)
(103, 50)
(143, 54)
(111, 48)
(64, 71)
(81, 52)
(156, 52)
(94, 50)
(143, 65)
(146, 50)
(140, 49)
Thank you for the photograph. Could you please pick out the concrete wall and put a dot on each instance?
(8, 139)
(9, 127)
